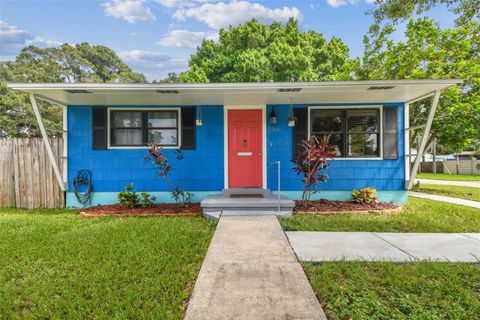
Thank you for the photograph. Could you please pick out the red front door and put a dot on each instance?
(244, 148)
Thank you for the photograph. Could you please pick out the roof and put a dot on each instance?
(382, 91)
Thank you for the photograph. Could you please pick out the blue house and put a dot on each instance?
(236, 136)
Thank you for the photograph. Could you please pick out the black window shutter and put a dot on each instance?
(99, 128)
(390, 137)
(300, 130)
(188, 128)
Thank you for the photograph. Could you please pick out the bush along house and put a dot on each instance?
(238, 140)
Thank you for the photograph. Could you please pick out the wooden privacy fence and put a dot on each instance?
(27, 179)
(454, 167)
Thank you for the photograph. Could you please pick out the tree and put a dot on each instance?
(395, 11)
(79, 63)
(172, 77)
(253, 52)
(429, 52)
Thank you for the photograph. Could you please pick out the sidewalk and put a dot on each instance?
(463, 202)
(472, 184)
(384, 246)
(250, 272)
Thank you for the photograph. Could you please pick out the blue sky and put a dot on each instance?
(158, 36)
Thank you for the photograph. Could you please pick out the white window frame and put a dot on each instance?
(377, 107)
(178, 109)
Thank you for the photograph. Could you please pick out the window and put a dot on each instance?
(354, 133)
(137, 128)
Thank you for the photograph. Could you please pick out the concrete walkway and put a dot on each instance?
(250, 272)
(379, 246)
(473, 184)
(463, 202)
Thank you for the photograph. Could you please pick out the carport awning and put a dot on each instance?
(236, 93)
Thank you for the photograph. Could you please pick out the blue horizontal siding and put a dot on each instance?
(204, 167)
(343, 174)
(113, 169)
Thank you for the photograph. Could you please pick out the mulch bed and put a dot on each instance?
(331, 207)
(162, 209)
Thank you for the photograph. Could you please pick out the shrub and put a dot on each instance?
(312, 164)
(128, 197)
(147, 200)
(365, 195)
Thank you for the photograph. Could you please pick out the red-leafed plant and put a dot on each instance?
(311, 164)
(160, 161)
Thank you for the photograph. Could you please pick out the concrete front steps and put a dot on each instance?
(246, 202)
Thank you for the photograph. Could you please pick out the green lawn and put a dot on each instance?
(468, 193)
(450, 177)
(419, 215)
(375, 290)
(61, 265)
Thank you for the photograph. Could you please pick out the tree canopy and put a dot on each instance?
(79, 63)
(429, 52)
(254, 52)
(395, 11)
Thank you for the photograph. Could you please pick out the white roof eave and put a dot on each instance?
(235, 93)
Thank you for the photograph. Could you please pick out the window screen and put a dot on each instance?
(363, 132)
(163, 128)
(329, 122)
(126, 128)
(353, 133)
(139, 128)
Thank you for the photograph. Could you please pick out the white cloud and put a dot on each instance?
(154, 65)
(41, 42)
(141, 57)
(130, 10)
(13, 39)
(170, 3)
(339, 3)
(182, 3)
(186, 39)
(221, 14)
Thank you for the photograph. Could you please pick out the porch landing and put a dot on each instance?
(246, 202)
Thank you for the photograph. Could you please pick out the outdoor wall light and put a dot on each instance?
(273, 117)
(199, 120)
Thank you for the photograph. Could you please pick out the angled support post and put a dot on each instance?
(424, 140)
(48, 146)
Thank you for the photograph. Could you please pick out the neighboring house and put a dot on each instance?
(238, 144)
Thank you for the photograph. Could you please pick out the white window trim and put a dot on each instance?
(261, 107)
(178, 109)
(379, 107)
